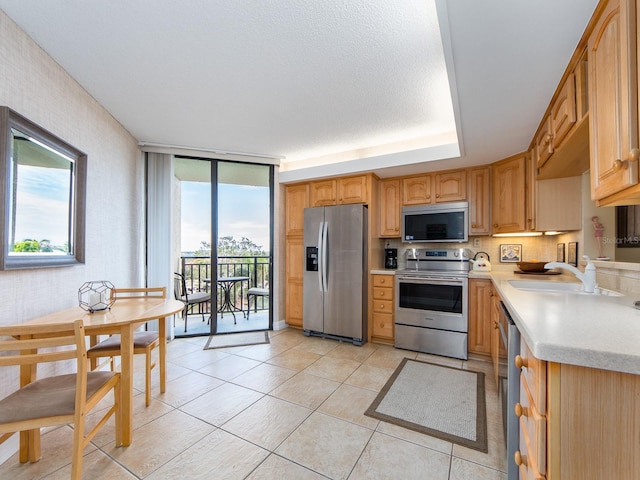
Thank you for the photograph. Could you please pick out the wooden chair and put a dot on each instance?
(143, 341)
(56, 400)
(255, 293)
(190, 299)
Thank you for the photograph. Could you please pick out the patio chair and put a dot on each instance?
(255, 293)
(54, 400)
(190, 299)
(143, 341)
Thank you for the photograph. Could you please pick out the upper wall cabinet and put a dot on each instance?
(508, 205)
(42, 195)
(322, 193)
(613, 98)
(339, 191)
(561, 145)
(296, 200)
(435, 188)
(479, 201)
(390, 208)
(416, 190)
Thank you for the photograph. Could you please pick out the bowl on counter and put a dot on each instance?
(532, 266)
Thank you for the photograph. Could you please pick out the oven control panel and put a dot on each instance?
(459, 254)
(444, 259)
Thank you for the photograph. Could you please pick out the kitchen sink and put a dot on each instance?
(558, 287)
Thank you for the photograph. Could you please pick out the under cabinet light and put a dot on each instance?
(521, 234)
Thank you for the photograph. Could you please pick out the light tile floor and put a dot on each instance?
(292, 409)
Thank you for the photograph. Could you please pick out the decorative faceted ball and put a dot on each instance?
(96, 295)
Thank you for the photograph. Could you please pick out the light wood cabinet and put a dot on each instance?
(559, 204)
(543, 142)
(390, 208)
(531, 410)
(576, 422)
(480, 291)
(508, 202)
(416, 190)
(498, 352)
(563, 111)
(340, 191)
(441, 187)
(322, 193)
(480, 201)
(294, 277)
(561, 145)
(613, 118)
(450, 186)
(296, 200)
(382, 302)
(557, 124)
(353, 190)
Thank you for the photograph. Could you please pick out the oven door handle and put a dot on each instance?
(432, 280)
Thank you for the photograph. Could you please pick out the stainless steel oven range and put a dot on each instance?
(432, 301)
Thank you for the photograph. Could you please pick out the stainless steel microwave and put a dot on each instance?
(444, 222)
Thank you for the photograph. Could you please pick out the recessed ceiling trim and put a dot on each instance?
(209, 153)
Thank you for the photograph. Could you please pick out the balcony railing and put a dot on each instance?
(197, 273)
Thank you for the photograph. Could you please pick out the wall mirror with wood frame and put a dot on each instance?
(42, 197)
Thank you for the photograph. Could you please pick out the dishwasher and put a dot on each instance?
(510, 338)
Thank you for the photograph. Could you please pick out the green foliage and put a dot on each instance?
(27, 245)
(44, 245)
(231, 246)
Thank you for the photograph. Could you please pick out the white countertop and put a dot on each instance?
(595, 331)
(383, 272)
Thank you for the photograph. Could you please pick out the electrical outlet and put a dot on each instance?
(476, 242)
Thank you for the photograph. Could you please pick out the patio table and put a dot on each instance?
(227, 284)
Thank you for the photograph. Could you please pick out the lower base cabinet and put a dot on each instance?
(382, 309)
(577, 423)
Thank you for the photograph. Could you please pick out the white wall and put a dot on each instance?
(34, 85)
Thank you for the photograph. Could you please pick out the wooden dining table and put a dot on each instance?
(124, 317)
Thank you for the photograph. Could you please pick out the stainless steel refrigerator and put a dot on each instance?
(335, 275)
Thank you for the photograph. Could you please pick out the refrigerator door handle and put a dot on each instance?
(325, 257)
(320, 255)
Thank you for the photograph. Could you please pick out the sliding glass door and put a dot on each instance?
(225, 212)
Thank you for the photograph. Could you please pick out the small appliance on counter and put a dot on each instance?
(480, 262)
(391, 258)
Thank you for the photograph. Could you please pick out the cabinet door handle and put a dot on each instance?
(437, 195)
(520, 362)
(495, 225)
(520, 459)
(520, 410)
(473, 225)
(624, 164)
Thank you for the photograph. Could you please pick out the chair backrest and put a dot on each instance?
(28, 341)
(180, 287)
(156, 292)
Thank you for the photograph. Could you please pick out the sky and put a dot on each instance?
(243, 212)
(38, 187)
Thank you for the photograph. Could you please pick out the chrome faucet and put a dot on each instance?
(588, 278)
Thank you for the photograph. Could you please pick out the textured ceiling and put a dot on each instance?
(328, 86)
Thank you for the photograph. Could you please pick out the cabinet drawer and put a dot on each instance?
(383, 293)
(383, 325)
(535, 426)
(383, 280)
(535, 374)
(383, 306)
(528, 468)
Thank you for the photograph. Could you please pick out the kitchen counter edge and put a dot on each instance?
(593, 331)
